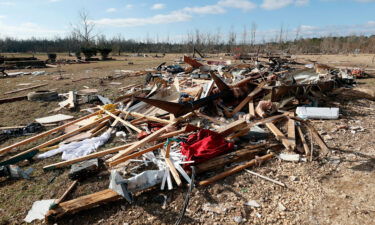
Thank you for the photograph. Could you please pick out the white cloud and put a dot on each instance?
(176, 16)
(28, 30)
(129, 6)
(158, 6)
(182, 15)
(239, 4)
(277, 4)
(301, 2)
(8, 3)
(110, 10)
(2, 17)
(208, 9)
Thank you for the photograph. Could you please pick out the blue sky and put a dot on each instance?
(175, 18)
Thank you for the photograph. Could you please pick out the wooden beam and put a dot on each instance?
(252, 110)
(210, 118)
(76, 131)
(232, 127)
(52, 141)
(36, 137)
(109, 151)
(315, 135)
(303, 140)
(172, 168)
(241, 155)
(82, 203)
(137, 154)
(87, 157)
(24, 89)
(279, 135)
(13, 99)
(117, 159)
(151, 118)
(292, 132)
(126, 123)
(248, 98)
(236, 169)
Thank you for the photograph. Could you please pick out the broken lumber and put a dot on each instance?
(315, 135)
(171, 167)
(292, 132)
(232, 127)
(151, 118)
(279, 135)
(303, 140)
(112, 150)
(236, 169)
(248, 98)
(252, 110)
(36, 137)
(117, 159)
(241, 155)
(24, 89)
(82, 203)
(125, 123)
(70, 103)
(20, 156)
(13, 99)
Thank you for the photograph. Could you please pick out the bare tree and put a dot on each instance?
(253, 33)
(84, 29)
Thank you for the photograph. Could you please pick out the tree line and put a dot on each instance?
(323, 45)
(83, 36)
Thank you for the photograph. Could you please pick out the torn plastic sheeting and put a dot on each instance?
(39, 210)
(145, 180)
(317, 113)
(119, 185)
(78, 149)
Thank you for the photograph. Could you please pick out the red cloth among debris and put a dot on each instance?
(205, 145)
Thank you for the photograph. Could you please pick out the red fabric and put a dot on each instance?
(205, 145)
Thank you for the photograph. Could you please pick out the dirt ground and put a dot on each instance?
(338, 189)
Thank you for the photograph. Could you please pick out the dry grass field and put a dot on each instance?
(338, 190)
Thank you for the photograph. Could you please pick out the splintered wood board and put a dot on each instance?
(54, 118)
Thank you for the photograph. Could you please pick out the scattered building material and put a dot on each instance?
(24, 89)
(317, 113)
(42, 96)
(54, 119)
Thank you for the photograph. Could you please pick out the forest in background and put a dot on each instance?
(323, 45)
(84, 36)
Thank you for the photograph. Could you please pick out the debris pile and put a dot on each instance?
(183, 123)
